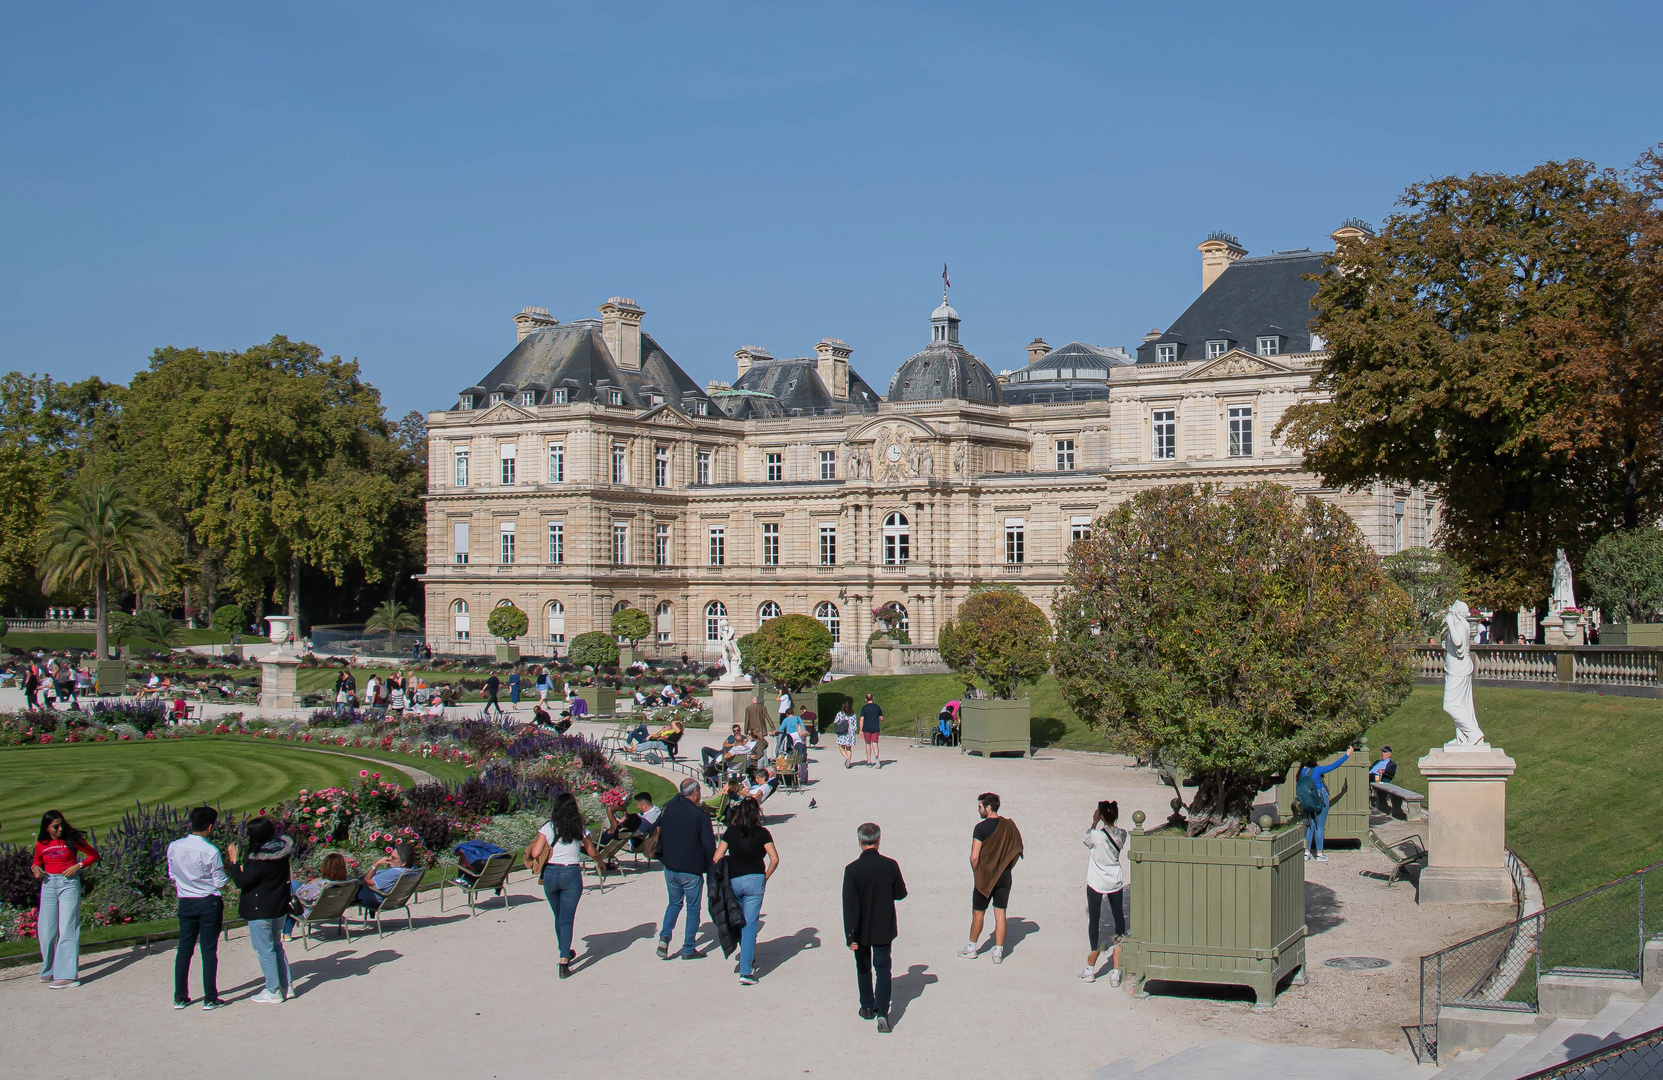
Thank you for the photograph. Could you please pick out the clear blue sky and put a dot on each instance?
(393, 182)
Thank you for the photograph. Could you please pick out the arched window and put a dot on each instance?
(557, 622)
(714, 613)
(459, 620)
(619, 606)
(826, 612)
(768, 610)
(664, 621)
(897, 539)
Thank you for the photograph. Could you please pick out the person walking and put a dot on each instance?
(752, 860)
(871, 886)
(784, 703)
(264, 903)
(756, 719)
(871, 722)
(1104, 879)
(514, 689)
(995, 845)
(562, 842)
(543, 686)
(62, 852)
(492, 686)
(844, 728)
(31, 685)
(687, 849)
(197, 871)
(1312, 793)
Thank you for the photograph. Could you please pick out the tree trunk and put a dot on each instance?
(101, 600)
(1223, 805)
(1504, 627)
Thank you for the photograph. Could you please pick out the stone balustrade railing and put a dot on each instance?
(1635, 670)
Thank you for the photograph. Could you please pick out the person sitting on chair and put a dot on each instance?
(764, 782)
(665, 740)
(710, 755)
(640, 822)
(385, 874)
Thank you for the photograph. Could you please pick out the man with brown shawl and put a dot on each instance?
(995, 845)
(757, 720)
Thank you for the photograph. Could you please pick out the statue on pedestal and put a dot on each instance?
(733, 669)
(1458, 671)
(1564, 593)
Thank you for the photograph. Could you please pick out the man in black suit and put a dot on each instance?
(871, 885)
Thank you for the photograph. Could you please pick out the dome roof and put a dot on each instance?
(945, 311)
(944, 370)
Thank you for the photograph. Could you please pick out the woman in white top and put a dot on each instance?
(1105, 879)
(566, 840)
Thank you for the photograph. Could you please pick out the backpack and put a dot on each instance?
(1309, 793)
(840, 726)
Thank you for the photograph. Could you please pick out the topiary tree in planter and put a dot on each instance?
(507, 622)
(593, 650)
(631, 624)
(998, 636)
(1623, 575)
(1230, 634)
(792, 651)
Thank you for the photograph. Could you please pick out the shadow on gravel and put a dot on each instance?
(309, 974)
(1322, 908)
(906, 988)
(598, 947)
(773, 955)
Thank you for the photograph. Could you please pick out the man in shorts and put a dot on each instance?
(871, 722)
(995, 845)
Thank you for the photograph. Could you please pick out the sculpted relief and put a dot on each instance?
(895, 454)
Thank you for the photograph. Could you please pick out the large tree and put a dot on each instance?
(99, 537)
(999, 636)
(791, 651)
(1230, 634)
(1501, 341)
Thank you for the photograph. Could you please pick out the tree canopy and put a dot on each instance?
(999, 636)
(1431, 579)
(1230, 634)
(1501, 340)
(1622, 575)
(507, 622)
(790, 651)
(631, 624)
(594, 649)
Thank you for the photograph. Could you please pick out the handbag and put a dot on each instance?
(535, 861)
(840, 726)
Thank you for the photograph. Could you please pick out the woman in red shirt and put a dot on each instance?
(61, 853)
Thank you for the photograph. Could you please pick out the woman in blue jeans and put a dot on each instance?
(61, 854)
(565, 839)
(752, 860)
(263, 878)
(1312, 793)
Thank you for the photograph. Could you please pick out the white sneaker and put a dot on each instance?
(267, 997)
(998, 954)
(968, 952)
(1088, 974)
(1114, 976)
(1307, 856)
(1320, 857)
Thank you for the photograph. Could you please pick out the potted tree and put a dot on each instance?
(1002, 638)
(595, 650)
(880, 645)
(392, 618)
(1231, 635)
(630, 624)
(791, 651)
(1623, 573)
(507, 622)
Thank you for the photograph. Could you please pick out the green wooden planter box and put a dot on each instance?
(626, 656)
(1631, 634)
(1348, 798)
(602, 700)
(508, 654)
(1222, 911)
(111, 677)
(995, 727)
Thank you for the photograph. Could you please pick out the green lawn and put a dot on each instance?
(906, 696)
(661, 788)
(52, 640)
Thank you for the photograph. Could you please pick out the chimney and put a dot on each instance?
(532, 319)
(621, 330)
(1037, 350)
(1218, 251)
(1153, 335)
(832, 355)
(751, 354)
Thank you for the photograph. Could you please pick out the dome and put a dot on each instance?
(945, 311)
(944, 370)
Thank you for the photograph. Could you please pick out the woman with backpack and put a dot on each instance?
(1312, 793)
(844, 728)
(1104, 879)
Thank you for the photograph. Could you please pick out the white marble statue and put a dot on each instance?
(733, 669)
(1458, 670)
(1564, 593)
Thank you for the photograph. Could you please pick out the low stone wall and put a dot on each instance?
(1621, 670)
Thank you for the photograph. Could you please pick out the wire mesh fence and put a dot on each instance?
(1600, 932)
(1639, 1058)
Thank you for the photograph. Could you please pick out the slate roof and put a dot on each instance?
(574, 355)
(1254, 297)
(796, 385)
(945, 369)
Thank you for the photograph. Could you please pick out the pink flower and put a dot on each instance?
(363, 772)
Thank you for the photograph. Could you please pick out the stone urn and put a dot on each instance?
(282, 626)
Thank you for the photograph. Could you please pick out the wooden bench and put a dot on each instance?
(1402, 852)
(1389, 798)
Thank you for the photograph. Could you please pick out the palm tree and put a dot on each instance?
(98, 536)
(389, 617)
(157, 629)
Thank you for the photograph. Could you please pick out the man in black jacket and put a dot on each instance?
(871, 885)
(686, 847)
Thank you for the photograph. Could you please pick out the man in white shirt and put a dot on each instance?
(197, 870)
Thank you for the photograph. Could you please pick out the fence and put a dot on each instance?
(1632, 670)
(1600, 932)
(351, 640)
(1639, 1058)
(82, 626)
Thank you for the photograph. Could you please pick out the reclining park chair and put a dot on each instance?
(493, 875)
(400, 896)
(331, 907)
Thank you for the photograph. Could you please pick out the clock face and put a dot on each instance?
(894, 452)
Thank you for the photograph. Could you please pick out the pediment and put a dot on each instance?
(503, 412)
(889, 427)
(1237, 362)
(667, 415)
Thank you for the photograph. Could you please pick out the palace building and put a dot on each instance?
(587, 471)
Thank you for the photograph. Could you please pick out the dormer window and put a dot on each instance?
(1166, 354)
(1270, 346)
(614, 397)
(496, 399)
(1216, 349)
(465, 404)
(561, 395)
(528, 398)
(701, 408)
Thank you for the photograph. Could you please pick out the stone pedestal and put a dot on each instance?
(728, 701)
(884, 657)
(1467, 797)
(277, 679)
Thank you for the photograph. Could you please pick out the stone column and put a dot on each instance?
(277, 680)
(1467, 797)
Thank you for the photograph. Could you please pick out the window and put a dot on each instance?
(459, 620)
(897, 540)
(614, 397)
(1079, 528)
(620, 543)
(664, 622)
(661, 546)
(557, 543)
(508, 452)
(715, 614)
(1165, 426)
(620, 464)
(557, 622)
(826, 612)
(1216, 349)
(465, 403)
(528, 398)
(506, 531)
(828, 464)
(462, 468)
(1269, 346)
(661, 466)
(459, 542)
(771, 544)
(557, 463)
(1014, 541)
(718, 546)
(1426, 537)
(1241, 431)
(1166, 354)
(702, 472)
(768, 610)
(1397, 527)
(561, 395)
(1065, 455)
(496, 399)
(701, 408)
(828, 545)
(776, 467)
(895, 614)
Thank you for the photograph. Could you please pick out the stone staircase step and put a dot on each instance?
(1474, 1064)
(1565, 1039)
(1647, 1017)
